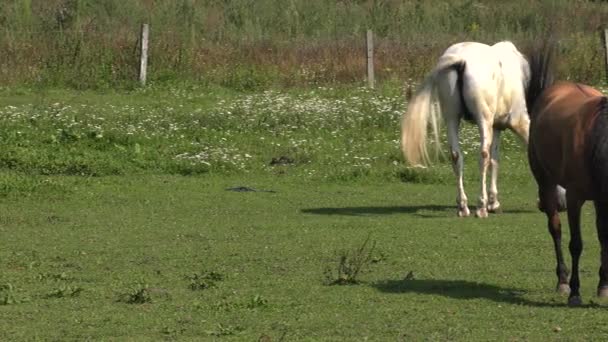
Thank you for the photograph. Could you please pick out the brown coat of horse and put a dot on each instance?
(569, 147)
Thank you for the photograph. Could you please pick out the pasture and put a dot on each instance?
(116, 224)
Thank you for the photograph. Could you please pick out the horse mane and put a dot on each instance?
(541, 61)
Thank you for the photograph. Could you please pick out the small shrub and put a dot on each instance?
(350, 264)
(225, 330)
(420, 175)
(257, 302)
(247, 78)
(63, 276)
(225, 305)
(171, 331)
(204, 280)
(7, 295)
(137, 294)
(64, 291)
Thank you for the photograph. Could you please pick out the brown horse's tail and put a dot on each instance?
(540, 60)
(598, 150)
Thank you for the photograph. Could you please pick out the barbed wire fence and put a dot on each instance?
(142, 47)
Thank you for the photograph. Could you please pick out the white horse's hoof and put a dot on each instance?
(563, 289)
(602, 291)
(561, 199)
(494, 207)
(481, 213)
(464, 212)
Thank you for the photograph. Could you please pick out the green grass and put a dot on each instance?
(336, 134)
(114, 237)
(110, 236)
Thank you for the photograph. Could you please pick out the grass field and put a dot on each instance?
(117, 224)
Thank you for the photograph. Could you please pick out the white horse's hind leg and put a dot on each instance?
(457, 164)
(451, 108)
(485, 133)
(522, 128)
(493, 204)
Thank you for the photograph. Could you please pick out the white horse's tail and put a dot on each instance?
(420, 111)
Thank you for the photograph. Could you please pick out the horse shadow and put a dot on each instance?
(465, 290)
(426, 210)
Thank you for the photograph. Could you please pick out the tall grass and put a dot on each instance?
(247, 44)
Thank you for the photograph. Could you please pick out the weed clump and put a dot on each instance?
(350, 264)
(136, 294)
(64, 291)
(204, 280)
(225, 330)
(7, 295)
(257, 302)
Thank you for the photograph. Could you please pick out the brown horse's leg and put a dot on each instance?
(576, 246)
(601, 221)
(549, 204)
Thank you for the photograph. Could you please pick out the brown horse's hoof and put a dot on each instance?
(575, 301)
(540, 205)
(563, 289)
(602, 291)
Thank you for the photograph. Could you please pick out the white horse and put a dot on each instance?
(480, 83)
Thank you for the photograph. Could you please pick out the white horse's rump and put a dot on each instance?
(482, 83)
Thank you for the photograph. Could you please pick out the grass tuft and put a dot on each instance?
(350, 264)
(204, 280)
(138, 293)
(7, 295)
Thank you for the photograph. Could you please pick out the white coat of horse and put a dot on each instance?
(483, 84)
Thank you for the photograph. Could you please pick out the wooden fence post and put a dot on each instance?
(143, 61)
(370, 58)
(606, 51)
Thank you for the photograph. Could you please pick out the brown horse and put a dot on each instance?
(568, 146)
